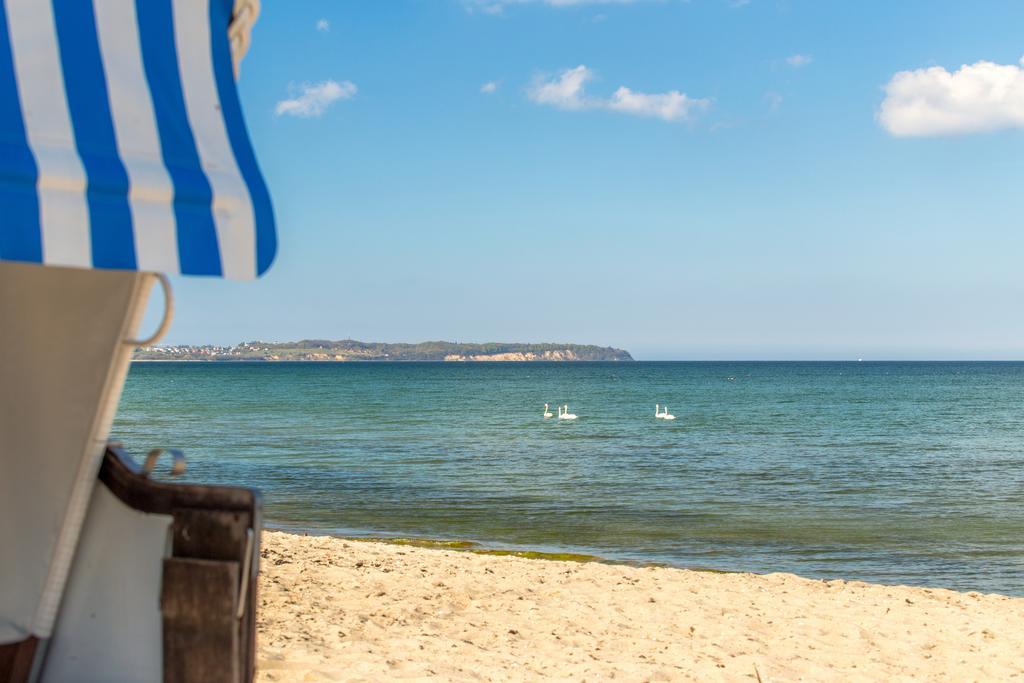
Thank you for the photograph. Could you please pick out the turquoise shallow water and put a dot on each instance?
(892, 472)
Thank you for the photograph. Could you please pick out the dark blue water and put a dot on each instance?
(892, 472)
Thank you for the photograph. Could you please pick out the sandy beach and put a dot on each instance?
(338, 609)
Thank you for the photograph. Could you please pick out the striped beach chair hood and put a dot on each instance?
(122, 141)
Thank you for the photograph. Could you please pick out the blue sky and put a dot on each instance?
(686, 180)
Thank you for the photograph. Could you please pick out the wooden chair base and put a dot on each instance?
(208, 593)
(16, 660)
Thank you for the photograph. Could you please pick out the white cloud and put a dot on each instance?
(486, 7)
(489, 88)
(978, 97)
(669, 106)
(774, 100)
(323, 25)
(312, 99)
(564, 92)
(568, 91)
(797, 61)
(498, 6)
(568, 3)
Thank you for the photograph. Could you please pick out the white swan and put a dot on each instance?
(564, 414)
(667, 415)
(547, 413)
(658, 414)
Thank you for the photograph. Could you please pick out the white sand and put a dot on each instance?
(334, 609)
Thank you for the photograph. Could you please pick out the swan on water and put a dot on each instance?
(667, 415)
(547, 413)
(564, 414)
(657, 413)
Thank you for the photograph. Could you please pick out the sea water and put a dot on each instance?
(890, 472)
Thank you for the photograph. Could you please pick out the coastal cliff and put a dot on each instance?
(521, 356)
(350, 350)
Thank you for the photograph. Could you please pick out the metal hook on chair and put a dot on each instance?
(177, 461)
(165, 324)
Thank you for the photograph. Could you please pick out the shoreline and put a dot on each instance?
(493, 549)
(354, 609)
(570, 554)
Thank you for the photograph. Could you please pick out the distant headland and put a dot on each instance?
(351, 350)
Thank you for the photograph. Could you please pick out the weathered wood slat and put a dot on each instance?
(210, 534)
(199, 600)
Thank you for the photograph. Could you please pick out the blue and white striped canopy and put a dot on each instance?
(122, 142)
